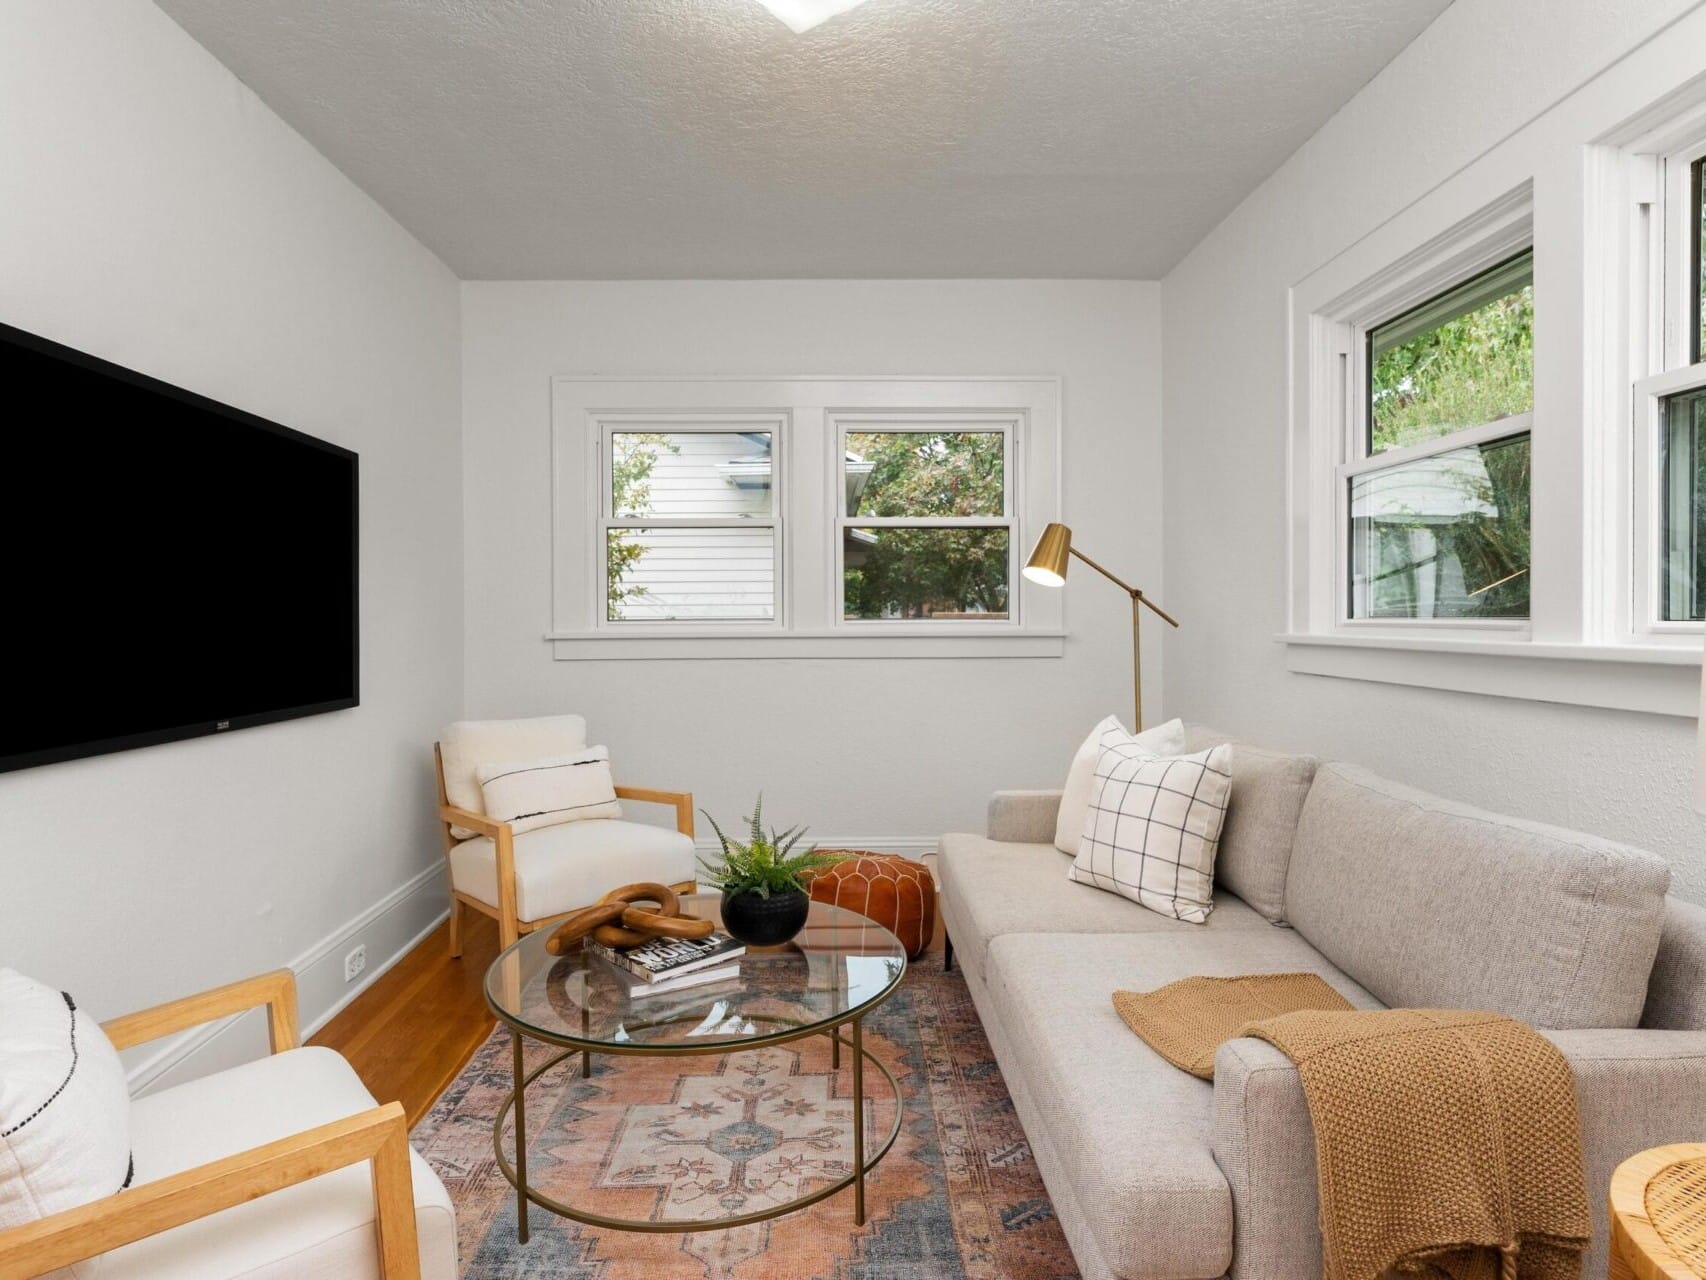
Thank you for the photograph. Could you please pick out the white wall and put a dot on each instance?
(1489, 82)
(856, 748)
(154, 213)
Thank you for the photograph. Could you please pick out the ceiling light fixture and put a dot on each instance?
(803, 15)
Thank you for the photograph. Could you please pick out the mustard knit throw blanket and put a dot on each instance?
(1447, 1143)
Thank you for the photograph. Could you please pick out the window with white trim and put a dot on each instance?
(926, 529)
(1669, 418)
(1439, 496)
(690, 520)
(747, 516)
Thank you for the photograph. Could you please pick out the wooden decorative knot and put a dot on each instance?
(619, 920)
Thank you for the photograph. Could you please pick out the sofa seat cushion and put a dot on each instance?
(568, 866)
(1432, 904)
(1132, 1132)
(991, 888)
(1268, 790)
(317, 1229)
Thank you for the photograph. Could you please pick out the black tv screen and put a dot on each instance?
(175, 567)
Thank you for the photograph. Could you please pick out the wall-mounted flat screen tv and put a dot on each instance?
(173, 566)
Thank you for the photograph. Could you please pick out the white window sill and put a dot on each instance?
(1658, 679)
(945, 641)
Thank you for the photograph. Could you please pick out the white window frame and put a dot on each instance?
(845, 424)
(607, 520)
(806, 473)
(1651, 176)
(1331, 319)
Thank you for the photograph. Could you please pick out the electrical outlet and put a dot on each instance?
(354, 963)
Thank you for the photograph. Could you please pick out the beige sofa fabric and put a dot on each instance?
(991, 888)
(1132, 1133)
(1268, 790)
(1429, 903)
(1676, 991)
(1025, 817)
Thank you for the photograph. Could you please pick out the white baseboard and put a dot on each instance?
(390, 929)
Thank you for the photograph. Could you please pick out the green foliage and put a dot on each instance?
(766, 863)
(916, 572)
(1474, 369)
(633, 457)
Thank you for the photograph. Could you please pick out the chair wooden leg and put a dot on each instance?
(508, 927)
(455, 927)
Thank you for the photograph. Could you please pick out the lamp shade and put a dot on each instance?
(1047, 565)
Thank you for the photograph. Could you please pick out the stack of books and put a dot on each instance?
(672, 964)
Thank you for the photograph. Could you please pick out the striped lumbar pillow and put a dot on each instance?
(541, 793)
(1153, 828)
(64, 1108)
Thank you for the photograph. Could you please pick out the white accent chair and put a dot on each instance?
(259, 1172)
(526, 880)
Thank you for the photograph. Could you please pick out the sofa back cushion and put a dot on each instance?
(1676, 993)
(1268, 790)
(468, 744)
(1433, 904)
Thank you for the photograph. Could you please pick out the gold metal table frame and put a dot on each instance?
(516, 1171)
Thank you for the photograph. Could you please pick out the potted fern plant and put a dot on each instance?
(763, 880)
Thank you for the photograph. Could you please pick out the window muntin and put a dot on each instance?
(1682, 506)
(1462, 359)
(690, 526)
(926, 530)
(1444, 536)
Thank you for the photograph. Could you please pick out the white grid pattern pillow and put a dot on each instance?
(1153, 828)
(529, 794)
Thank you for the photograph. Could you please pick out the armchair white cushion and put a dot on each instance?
(313, 1230)
(468, 744)
(565, 867)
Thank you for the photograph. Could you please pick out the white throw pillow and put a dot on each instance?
(468, 744)
(1163, 740)
(1153, 828)
(64, 1109)
(529, 794)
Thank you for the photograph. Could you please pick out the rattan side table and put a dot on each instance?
(1658, 1215)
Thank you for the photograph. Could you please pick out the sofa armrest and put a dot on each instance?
(275, 991)
(1634, 1090)
(1023, 817)
(1265, 1146)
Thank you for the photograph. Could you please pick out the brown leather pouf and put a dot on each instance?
(896, 892)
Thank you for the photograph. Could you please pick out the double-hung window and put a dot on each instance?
(690, 521)
(1670, 412)
(926, 527)
(817, 516)
(1437, 478)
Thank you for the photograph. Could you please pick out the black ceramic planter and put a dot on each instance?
(765, 922)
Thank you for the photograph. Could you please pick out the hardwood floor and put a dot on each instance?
(410, 1032)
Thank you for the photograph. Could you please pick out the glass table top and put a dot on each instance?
(840, 964)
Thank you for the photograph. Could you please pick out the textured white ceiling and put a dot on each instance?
(702, 138)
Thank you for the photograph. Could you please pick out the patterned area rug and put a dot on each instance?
(957, 1198)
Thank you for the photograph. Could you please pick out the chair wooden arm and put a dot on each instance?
(380, 1135)
(471, 820)
(682, 800)
(275, 990)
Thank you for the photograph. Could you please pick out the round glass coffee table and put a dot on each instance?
(823, 983)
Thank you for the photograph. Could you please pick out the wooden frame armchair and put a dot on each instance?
(380, 1136)
(504, 910)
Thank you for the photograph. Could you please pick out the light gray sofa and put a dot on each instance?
(1395, 898)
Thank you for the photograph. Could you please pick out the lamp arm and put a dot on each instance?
(1125, 586)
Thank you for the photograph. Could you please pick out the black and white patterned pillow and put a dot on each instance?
(1153, 828)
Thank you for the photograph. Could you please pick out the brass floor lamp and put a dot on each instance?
(1047, 567)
